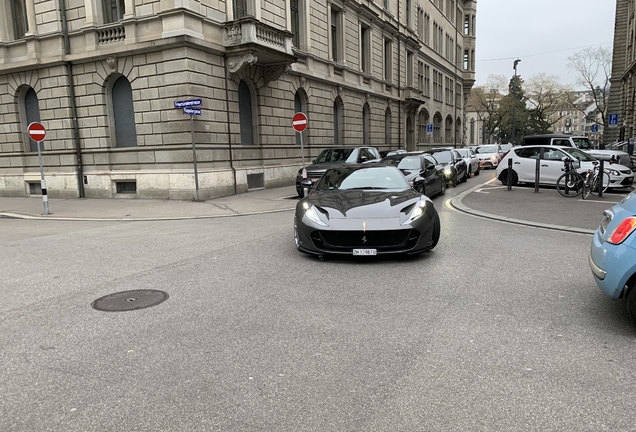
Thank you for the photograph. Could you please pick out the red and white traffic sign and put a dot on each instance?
(36, 131)
(299, 122)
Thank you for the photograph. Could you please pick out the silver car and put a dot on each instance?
(472, 162)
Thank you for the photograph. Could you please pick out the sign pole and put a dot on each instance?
(45, 197)
(194, 158)
(302, 152)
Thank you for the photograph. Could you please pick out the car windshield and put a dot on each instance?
(506, 147)
(443, 156)
(464, 152)
(487, 149)
(410, 163)
(379, 177)
(583, 143)
(578, 154)
(333, 155)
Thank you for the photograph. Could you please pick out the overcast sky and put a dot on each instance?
(542, 33)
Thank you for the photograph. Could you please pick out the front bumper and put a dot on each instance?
(487, 163)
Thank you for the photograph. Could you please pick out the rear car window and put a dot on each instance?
(528, 152)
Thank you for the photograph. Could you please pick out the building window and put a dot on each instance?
(366, 124)
(20, 25)
(458, 95)
(338, 122)
(449, 128)
(408, 12)
(388, 60)
(336, 35)
(365, 48)
(427, 29)
(246, 115)
(31, 110)
(420, 76)
(420, 23)
(436, 85)
(437, 128)
(239, 7)
(295, 22)
(472, 131)
(422, 121)
(466, 24)
(387, 126)
(387, 3)
(409, 69)
(427, 81)
(466, 60)
(114, 10)
(123, 113)
(300, 105)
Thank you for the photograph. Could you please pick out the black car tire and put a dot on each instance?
(477, 172)
(300, 192)
(453, 179)
(437, 229)
(465, 176)
(442, 185)
(503, 178)
(630, 301)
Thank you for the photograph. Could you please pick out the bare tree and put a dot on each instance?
(547, 97)
(484, 101)
(594, 67)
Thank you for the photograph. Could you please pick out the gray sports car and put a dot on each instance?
(365, 210)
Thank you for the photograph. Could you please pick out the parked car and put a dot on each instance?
(524, 160)
(580, 142)
(613, 253)
(472, 162)
(421, 171)
(385, 153)
(455, 169)
(335, 157)
(365, 210)
(489, 155)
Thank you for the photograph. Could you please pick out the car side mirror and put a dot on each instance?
(363, 159)
(306, 183)
(564, 158)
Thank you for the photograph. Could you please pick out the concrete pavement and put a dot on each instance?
(488, 199)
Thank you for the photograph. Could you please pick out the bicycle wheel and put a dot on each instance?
(586, 186)
(570, 184)
(595, 181)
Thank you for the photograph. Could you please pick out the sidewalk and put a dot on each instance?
(122, 209)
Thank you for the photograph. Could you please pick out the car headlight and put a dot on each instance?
(312, 214)
(612, 172)
(417, 212)
(448, 170)
(493, 158)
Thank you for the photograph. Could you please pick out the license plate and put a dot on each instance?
(365, 252)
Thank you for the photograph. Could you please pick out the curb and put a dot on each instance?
(456, 204)
(141, 219)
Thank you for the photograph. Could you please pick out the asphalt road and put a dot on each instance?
(501, 327)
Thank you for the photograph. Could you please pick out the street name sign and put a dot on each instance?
(192, 111)
(188, 103)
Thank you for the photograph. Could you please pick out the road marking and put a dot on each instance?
(480, 190)
(604, 202)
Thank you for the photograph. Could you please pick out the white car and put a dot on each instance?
(472, 162)
(524, 162)
(489, 155)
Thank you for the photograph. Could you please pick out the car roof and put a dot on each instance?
(553, 136)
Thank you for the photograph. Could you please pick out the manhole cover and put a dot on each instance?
(129, 300)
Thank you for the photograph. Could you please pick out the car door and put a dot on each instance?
(525, 162)
(432, 178)
(551, 165)
(474, 162)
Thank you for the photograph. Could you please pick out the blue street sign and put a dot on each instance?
(594, 128)
(192, 111)
(188, 103)
(429, 127)
(613, 120)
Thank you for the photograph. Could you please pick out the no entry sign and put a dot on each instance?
(299, 122)
(36, 131)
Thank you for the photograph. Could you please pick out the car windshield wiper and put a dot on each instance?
(366, 187)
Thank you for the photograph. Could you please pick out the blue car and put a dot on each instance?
(613, 253)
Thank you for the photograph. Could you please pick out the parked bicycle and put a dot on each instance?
(571, 184)
(593, 178)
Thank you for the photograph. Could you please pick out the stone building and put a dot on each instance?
(622, 99)
(103, 77)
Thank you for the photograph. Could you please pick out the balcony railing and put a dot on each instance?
(112, 34)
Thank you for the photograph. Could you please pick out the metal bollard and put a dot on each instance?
(536, 176)
(509, 174)
(601, 167)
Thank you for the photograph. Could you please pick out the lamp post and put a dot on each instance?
(514, 102)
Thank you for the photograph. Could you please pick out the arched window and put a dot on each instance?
(246, 114)
(366, 124)
(32, 114)
(338, 120)
(124, 113)
(448, 132)
(300, 105)
(459, 136)
(437, 128)
(387, 126)
(422, 121)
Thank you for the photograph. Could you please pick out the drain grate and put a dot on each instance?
(129, 300)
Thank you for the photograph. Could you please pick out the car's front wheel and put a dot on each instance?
(477, 172)
(442, 190)
(503, 178)
(437, 229)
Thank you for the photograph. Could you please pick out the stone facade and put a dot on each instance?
(249, 75)
(623, 78)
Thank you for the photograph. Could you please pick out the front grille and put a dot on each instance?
(624, 160)
(314, 174)
(627, 181)
(381, 240)
(627, 172)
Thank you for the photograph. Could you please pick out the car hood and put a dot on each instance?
(364, 204)
(485, 155)
(410, 174)
(323, 166)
